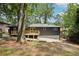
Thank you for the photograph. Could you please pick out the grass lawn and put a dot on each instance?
(36, 48)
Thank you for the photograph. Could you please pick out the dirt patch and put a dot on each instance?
(37, 48)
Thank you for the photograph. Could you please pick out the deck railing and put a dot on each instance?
(31, 32)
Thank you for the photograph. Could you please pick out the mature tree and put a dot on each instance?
(70, 18)
(59, 20)
(75, 29)
(71, 22)
(8, 12)
(22, 22)
(13, 13)
(41, 13)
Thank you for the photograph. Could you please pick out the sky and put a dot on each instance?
(58, 9)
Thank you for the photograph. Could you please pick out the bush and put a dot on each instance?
(74, 38)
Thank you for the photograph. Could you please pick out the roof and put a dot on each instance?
(37, 25)
(42, 25)
(1, 22)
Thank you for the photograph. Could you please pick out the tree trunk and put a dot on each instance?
(45, 19)
(39, 19)
(21, 23)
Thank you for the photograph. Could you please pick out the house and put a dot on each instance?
(3, 28)
(38, 30)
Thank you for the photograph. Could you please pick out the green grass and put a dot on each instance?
(67, 53)
(6, 51)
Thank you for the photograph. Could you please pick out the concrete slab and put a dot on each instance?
(49, 40)
(46, 38)
(56, 37)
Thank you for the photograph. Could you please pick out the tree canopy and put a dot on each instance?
(9, 12)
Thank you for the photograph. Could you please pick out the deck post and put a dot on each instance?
(37, 37)
(59, 34)
(33, 36)
(28, 36)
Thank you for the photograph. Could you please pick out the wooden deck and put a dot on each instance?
(29, 35)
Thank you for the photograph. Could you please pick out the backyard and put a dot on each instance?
(38, 48)
(45, 23)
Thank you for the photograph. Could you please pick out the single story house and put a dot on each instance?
(38, 30)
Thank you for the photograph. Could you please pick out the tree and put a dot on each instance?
(71, 22)
(21, 23)
(59, 20)
(75, 29)
(69, 18)
(18, 11)
(41, 12)
(9, 12)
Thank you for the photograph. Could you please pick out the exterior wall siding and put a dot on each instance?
(49, 31)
